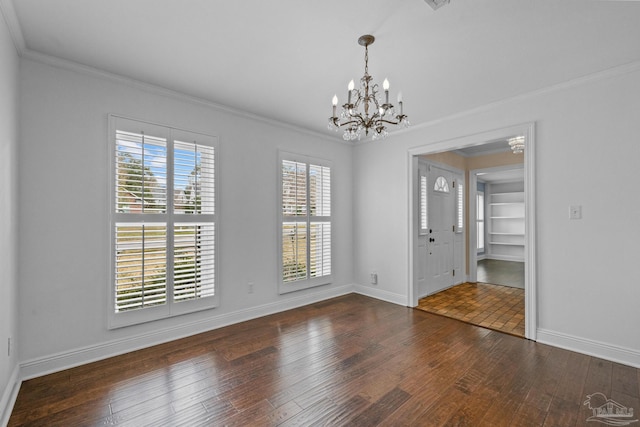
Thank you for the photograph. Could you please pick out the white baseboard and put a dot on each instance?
(598, 349)
(377, 293)
(9, 396)
(69, 359)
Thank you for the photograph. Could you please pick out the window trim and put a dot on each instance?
(309, 282)
(170, 308)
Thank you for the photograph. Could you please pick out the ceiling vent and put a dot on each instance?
(435, 4)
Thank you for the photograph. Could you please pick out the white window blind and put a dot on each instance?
(305, 216)
(140, 265)
(460, 206)
(163, 222)
(194, 261)
(423, 204)
(480, 221)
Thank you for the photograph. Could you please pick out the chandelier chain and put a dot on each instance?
(366, 60)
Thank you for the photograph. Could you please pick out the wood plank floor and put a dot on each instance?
(351, 360)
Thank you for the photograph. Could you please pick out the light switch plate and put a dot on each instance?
(575, 212)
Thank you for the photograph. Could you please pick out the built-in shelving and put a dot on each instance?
(506, 222)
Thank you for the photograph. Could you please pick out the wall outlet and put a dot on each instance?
(374, 278)
(250, 287)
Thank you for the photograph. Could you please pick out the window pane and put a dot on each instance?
(320, 249)
(193, 178)
(423, 203)
(460, 206)
(194, 261)
(294, 188)
(319, 190)
(480, 220)
(294, 251)
(141, 173)
(441, 185)
(140, 265)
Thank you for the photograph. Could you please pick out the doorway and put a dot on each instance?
(479, 141)
(498, 223)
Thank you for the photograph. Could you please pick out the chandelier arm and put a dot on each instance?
(350, 122)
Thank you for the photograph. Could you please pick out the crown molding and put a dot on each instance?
(609, 73)
(8, 12)
(160, 90)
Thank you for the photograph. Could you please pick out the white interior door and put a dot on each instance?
(441, 233)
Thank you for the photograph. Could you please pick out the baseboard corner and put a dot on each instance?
(9, 396)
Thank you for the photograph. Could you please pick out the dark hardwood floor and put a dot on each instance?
(351, 360)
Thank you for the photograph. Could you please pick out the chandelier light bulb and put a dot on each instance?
(334, 100)
(385, 84)
(351, 85)
(399, 96)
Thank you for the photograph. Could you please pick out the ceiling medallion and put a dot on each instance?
(375, 115)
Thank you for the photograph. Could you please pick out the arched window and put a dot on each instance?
(441, 185)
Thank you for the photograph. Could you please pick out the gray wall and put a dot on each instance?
(64, 214)
(587, 154)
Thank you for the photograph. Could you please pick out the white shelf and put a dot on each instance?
(511, 193)
(506, 224)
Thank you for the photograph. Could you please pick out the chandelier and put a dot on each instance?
(363, 110)
(517, 144)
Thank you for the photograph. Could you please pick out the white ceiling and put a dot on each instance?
(285, 59)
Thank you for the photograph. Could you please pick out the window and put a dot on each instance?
(163, 222)
(441, 185)
(305, 222)
(480, 221)
(424, 214)
(460, 207)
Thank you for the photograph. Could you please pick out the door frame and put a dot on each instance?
(530, 283)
